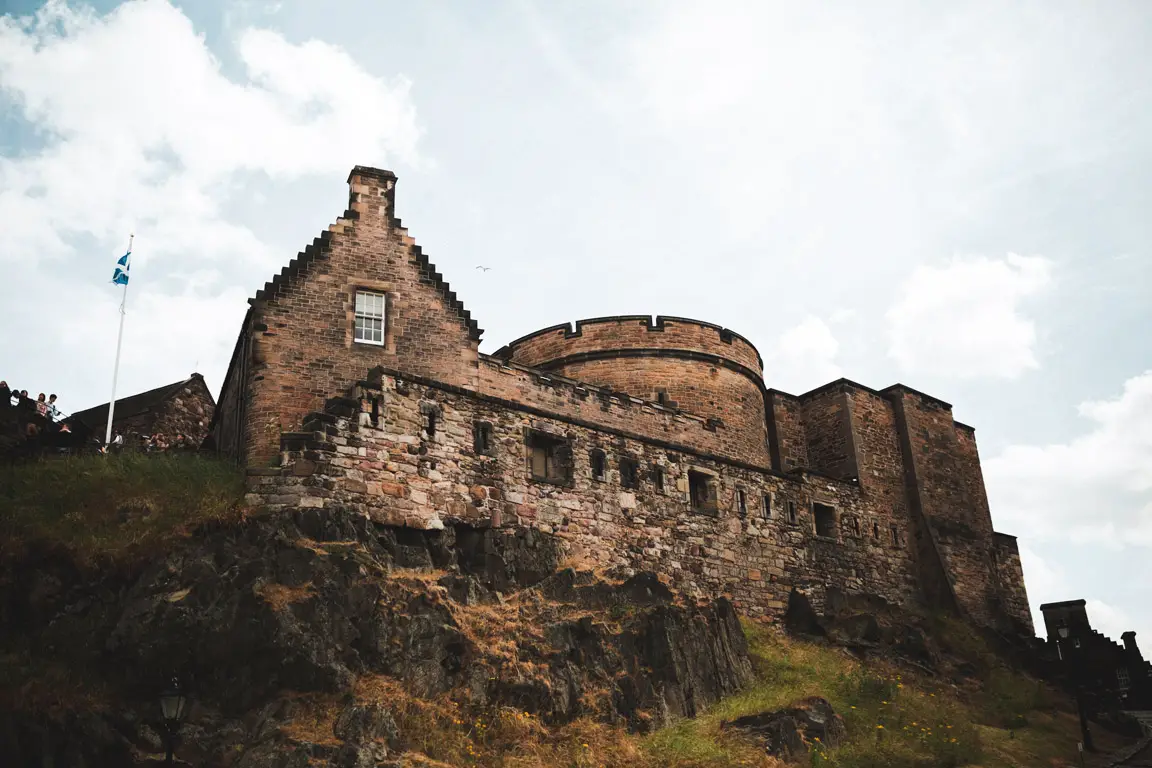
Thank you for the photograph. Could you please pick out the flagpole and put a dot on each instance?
(119, 339)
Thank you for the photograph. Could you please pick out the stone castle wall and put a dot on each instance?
(374, 453)
(901, 478)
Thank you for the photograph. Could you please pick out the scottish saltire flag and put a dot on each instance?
(120, 276)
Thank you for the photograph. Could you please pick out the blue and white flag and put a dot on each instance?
(120, 276)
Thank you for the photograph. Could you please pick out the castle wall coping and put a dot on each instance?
(673, 353)
(372, 173)
(1065, 604)
(885, 393)
(655, 323)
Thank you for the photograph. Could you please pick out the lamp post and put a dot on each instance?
(1085, 734)
(173, 706)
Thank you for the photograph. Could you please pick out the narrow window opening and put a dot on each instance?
(629, 472)
(599, 464)
(790, 507)
(368, 327)
(431, 428)
(895, 536)
(658, 478)
(549, 457)
(375, 411)
(482, 437)
(702, 492)
(662, 397)
(856, 527)
(825, 520)
(741, 503)
(768, 506)
(875, 530)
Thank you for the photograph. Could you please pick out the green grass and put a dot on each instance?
(893, 719)
(112, 509)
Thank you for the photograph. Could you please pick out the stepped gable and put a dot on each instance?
(322, 245)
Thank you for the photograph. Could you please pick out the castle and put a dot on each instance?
(645, 443)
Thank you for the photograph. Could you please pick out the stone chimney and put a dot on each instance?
(1130, 646)
(372, 192)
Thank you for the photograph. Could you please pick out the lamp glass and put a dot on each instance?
(1063, 630)
(172, 705)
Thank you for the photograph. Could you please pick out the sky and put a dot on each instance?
(950, 196)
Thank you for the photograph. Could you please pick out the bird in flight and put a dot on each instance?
(484, 269)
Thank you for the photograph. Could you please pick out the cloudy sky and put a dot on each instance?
(953, 198)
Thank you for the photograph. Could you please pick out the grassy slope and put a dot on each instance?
(113, 509)
(118, 510)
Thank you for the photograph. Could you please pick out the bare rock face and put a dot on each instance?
(261, 619)
(789, 733)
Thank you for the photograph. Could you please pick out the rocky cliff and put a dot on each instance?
(315, 637)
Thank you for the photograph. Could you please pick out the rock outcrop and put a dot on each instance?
(264, 620)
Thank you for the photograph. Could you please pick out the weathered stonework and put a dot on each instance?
(658, 438)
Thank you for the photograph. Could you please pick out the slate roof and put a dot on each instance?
(97, 416)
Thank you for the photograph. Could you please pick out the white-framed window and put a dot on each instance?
(1122, 678)
(369, 328)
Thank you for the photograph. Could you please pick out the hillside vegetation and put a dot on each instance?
(137, 514)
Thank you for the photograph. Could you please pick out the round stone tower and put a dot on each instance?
(698, 367)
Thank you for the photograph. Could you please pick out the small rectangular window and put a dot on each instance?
(549, 457)
(702, 492)
(875, 530)
(768, 506)
(598, 463)
(658, 478)
(482, 437)
(741, 503)
(790, 507)
(369, 324)
(895, 536)
(629, 472)
(824, 519)
(856, 527)
(1123, 681)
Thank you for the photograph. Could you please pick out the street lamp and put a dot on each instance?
(1085, 735)
(173, 706)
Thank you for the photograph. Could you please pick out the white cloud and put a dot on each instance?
(1095, 488)
(141, 130)
(965, 319)
(145, 131)
(804, 357)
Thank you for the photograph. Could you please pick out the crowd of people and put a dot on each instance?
(26, 421)
(35, 428)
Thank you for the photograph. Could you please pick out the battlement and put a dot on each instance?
(622, 335)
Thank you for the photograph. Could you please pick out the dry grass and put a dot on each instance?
(313, 718)
(280, 596)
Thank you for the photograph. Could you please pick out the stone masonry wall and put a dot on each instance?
(700, 388)
(786, 439)
(188, 412)
(699, 367)
(303, 348)
(960, 530)
(1010, 580)
(393, 470)
(827, 425)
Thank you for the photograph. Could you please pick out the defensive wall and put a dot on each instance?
(885, 486)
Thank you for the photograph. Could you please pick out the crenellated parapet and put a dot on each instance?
(700, 367)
